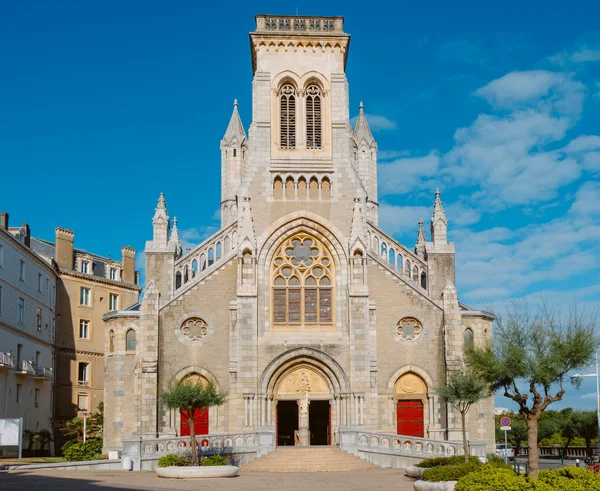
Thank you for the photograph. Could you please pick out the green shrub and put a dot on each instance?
(437, 461)
(172, 459)
(215, 460)
(450, 472)
(497, 462)
(67, 444)
(489, 478)
(83, 451)
(571, 478)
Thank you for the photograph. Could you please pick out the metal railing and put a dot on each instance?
(44, 373)
(25, 368)
(6, 361)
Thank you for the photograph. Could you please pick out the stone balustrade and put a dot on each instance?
(145, 451)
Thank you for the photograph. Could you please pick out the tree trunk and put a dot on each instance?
(533, 452)
(463, 416)
(193, 437)
(588, 446)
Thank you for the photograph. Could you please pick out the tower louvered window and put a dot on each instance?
(313, 117)
(287, 107)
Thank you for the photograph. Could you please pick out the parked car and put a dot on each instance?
(505, 451)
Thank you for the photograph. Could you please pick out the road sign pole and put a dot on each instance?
(506, 447)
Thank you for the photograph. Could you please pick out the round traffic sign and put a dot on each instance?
(505, 421)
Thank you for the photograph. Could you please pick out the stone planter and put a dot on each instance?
(415, 472)
(434, 486)
(199, 471)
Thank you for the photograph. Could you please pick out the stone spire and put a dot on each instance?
(439, 224)
(235, 134)
(160, 221)
(421, 240)
(175, 237)
(362, 130)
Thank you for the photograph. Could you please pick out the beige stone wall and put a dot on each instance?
(72, 350)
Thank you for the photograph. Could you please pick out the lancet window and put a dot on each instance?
(313, 117)
(302, 279)
(287, 108)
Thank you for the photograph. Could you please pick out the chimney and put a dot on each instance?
(27, 238)
(4, 220)
(63, 255)
(128, 264)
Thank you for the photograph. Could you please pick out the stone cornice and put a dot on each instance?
(71, 351)
(119, 314)
(98, 279)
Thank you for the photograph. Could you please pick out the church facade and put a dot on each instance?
(301, 308)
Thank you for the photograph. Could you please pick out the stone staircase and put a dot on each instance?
(307, 459)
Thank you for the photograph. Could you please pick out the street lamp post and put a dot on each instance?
(84, 424)
(597, 392)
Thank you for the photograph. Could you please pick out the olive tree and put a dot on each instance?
(462, 390)
(192, 398)
(530, 360)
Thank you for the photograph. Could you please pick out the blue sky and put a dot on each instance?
(106, 104)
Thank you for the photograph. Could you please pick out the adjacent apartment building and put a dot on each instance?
(89, 286)
(27, 329)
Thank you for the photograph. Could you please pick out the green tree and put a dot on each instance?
(587, 427)
(44, 437)
(74, 429)
(539, 350)
(30, 437)
(462, 390)
(192, 398)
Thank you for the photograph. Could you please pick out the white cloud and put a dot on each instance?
(587, 199)
(377, 122)
(461, 214)
(392, 154)
(191, 237)
(589, 395)
(405, 175)
(583, 54)
(402, 220)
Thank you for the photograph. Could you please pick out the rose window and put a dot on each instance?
(194, 329)
(409, 328)
(302, 272)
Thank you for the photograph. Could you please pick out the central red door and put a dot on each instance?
(200, 423)
(410, 418)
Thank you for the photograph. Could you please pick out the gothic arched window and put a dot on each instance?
(313, 117)
(130, 340)
(287, 115)
(302, 279)
(469, 338)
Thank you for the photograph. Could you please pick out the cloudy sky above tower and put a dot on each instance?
(105, 105)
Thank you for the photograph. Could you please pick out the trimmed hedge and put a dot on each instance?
(215, 460)
(450, 472)
(172, 459)
(489, 478)
(438, 461)
(90, 450)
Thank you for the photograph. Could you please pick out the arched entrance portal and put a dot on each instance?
(303, 408)
(411, 398)
(200, 417)
(307, 392)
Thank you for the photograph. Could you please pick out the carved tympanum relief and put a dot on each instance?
(303, 380)
(410, 383)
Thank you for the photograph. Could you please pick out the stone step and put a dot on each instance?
(307, 459)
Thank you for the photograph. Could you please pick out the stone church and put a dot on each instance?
(301, 308)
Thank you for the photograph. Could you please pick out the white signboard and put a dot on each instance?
(9, 432)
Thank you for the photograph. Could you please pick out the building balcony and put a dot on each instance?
(44, 373)
(84, 383)
(6, 361)
(24, 368)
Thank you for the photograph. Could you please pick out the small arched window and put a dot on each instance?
(194, 267)
(177, 280)
(423, 280)
(287, 115)
(313, 117)
(469, 337)
(130, 340)
(111, 341)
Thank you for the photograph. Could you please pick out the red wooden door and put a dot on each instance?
(200, 423)
(410, 418)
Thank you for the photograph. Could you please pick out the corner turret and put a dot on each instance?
(233, 165)
(365, 161)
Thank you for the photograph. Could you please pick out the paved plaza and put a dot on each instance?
(112, 480)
